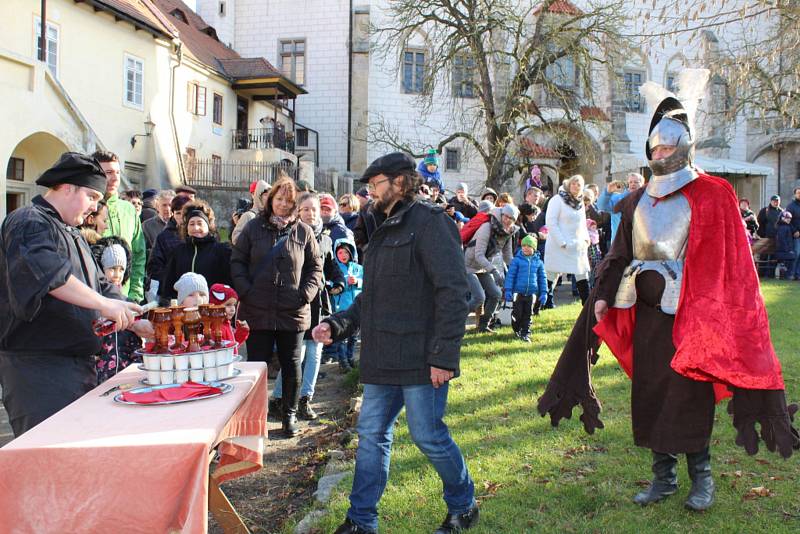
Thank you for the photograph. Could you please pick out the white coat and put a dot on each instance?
(567, 238)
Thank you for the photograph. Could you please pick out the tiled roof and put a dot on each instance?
(534, 150)
(562, 7)
(241, 68)
(593, 113)
(137, 10)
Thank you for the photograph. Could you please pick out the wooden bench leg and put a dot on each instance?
(223, 511)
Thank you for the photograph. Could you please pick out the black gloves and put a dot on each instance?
(768, 408)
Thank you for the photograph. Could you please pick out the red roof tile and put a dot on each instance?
(562, 7)
(534, 150)
(593, 113)
(138, 10)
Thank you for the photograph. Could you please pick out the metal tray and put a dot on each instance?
(226, 388)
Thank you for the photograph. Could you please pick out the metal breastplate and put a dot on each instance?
(660, 234)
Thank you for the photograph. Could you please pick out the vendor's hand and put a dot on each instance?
(143, 328)
(440, 376)
(121, 312)
(322, 334)
(600, 310)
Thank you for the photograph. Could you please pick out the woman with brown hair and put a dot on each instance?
(200, 252)
(277, 271)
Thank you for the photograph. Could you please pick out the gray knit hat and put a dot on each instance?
(188, 283)
(510, 210)
(114, 256)
(485, 205)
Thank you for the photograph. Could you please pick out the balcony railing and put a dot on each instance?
(231, 174)
(261, 139)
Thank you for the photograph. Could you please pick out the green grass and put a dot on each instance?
(530, 477)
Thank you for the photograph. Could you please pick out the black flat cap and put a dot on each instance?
(75, 169)
(183, 188)
(394, 163)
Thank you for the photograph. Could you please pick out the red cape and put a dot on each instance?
(721, 332)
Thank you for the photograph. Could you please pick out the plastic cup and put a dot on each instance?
(167, 363)
(153, 377)
(210, 358)
(151, 362)
(196, 375)
(211, 374)
(223, 372)
(195, 361)
(167, 377)
(181, 376)
(181, 362)
(225, 356)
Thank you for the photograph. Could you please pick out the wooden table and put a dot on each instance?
(101, 466)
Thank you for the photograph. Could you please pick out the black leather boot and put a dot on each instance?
(583, 290)
(665, 481)
(454, 523)
(305, 411)
(289, 420)
(701, 496)
(348, 527)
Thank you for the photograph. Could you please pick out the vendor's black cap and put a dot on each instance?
(394, 164)
(75, 169)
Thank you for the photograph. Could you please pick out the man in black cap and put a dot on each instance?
(411, 313)
(51, 289)
(186, 191)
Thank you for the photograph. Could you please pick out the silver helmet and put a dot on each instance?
(670, 126)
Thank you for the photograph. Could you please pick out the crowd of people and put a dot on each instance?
(293, 279)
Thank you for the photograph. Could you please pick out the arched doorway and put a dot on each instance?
(29, 159)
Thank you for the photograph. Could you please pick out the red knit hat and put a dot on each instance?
(222, 293)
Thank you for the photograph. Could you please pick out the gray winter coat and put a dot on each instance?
(414, 302)
(475, 256)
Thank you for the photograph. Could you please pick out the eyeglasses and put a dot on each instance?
(373, 185)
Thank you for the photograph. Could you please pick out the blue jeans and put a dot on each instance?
(345, 350)
(797, 258)
(425, 406)
(310, 355)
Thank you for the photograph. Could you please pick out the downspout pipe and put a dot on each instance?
(350, 85)
(179, 53)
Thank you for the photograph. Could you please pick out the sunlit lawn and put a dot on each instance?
(533, 478)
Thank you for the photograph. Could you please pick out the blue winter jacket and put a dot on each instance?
(606, 202)
(345, 299)
(434, 178)
(526, 275)
(784, 242)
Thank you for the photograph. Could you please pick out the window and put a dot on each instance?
(413, 71)
(672, 82)
(218, 109)
(222, 9)
(216, 169)
(633, 100)
(293, 60)
(196, 99)
(135, 173)
(15, 169)
(463, 77)
(302, 137)
(562, 72)
(719, 97)
(134, 82)
(52, 45)
(452, 159)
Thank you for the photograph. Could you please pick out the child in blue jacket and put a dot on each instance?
(346, 257)
(526, 278)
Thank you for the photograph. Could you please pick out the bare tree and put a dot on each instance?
(529, 66)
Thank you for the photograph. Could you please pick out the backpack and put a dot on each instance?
(469, 229)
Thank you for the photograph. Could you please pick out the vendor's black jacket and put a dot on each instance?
(205, 256)
(414, 302)
(38, 253)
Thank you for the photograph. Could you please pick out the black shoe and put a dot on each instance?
(549, 303)
(348, 527)
(525, 337)
(701, 496)
(275, 408)
(305, 411)
(459, 523)
(289, 426)
(485, 329)
(665, 481)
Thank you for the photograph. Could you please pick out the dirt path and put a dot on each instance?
(268, 498)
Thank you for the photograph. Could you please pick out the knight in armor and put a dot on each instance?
(663, 306)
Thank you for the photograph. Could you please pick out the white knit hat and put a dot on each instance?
(114, 256)
(188, 283)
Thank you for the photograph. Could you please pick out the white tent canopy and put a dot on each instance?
(730, 166)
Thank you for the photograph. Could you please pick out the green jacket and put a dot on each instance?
(124, 222)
